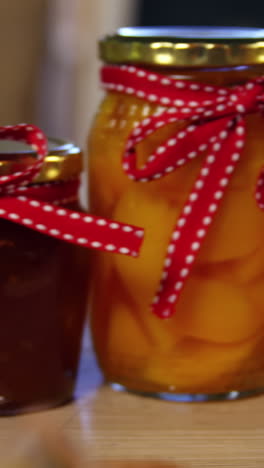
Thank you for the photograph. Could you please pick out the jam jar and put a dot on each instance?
(212, 348)
(43, 294)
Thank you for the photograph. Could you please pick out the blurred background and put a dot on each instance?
(48, 48)
(49, 66)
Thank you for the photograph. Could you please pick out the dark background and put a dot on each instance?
(195, 12)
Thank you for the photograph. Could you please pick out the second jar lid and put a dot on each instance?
(63, 161)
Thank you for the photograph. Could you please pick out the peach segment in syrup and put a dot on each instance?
(197, 366)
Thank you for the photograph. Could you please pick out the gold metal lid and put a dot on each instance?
(64, 160)
(185, 46)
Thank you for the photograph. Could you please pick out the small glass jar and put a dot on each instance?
(43, 295)
(213, 346)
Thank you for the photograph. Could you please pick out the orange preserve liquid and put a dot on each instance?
(214, 344)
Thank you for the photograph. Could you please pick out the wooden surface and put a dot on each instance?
(111, 426)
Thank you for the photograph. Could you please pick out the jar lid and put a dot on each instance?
(64, 159)
(190, 46)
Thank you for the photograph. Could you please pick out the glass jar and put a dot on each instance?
(43, 295)
(213, 346)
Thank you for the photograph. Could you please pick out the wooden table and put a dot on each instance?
(112, 426)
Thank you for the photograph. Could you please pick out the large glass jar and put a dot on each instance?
(43, 294)
(213, 346)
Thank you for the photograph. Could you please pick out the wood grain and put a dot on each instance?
(108, 428)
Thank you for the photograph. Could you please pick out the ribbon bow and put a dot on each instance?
(215, 124)
(32, 205)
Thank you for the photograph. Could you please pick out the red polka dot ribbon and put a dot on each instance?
(215, 124)
(35, 205)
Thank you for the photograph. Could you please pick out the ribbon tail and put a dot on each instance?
(74, 227)
(196, 218)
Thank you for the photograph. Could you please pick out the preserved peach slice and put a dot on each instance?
(163, 334)
(105, 195)
(125, 336)
(255, 293)
(250, 267)
(197, 366)
(237, 229)
(218, 312)
(141, 276)
(107, 179)
(239, 271)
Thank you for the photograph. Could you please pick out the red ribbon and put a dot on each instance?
(34, 205)
(215, 124)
